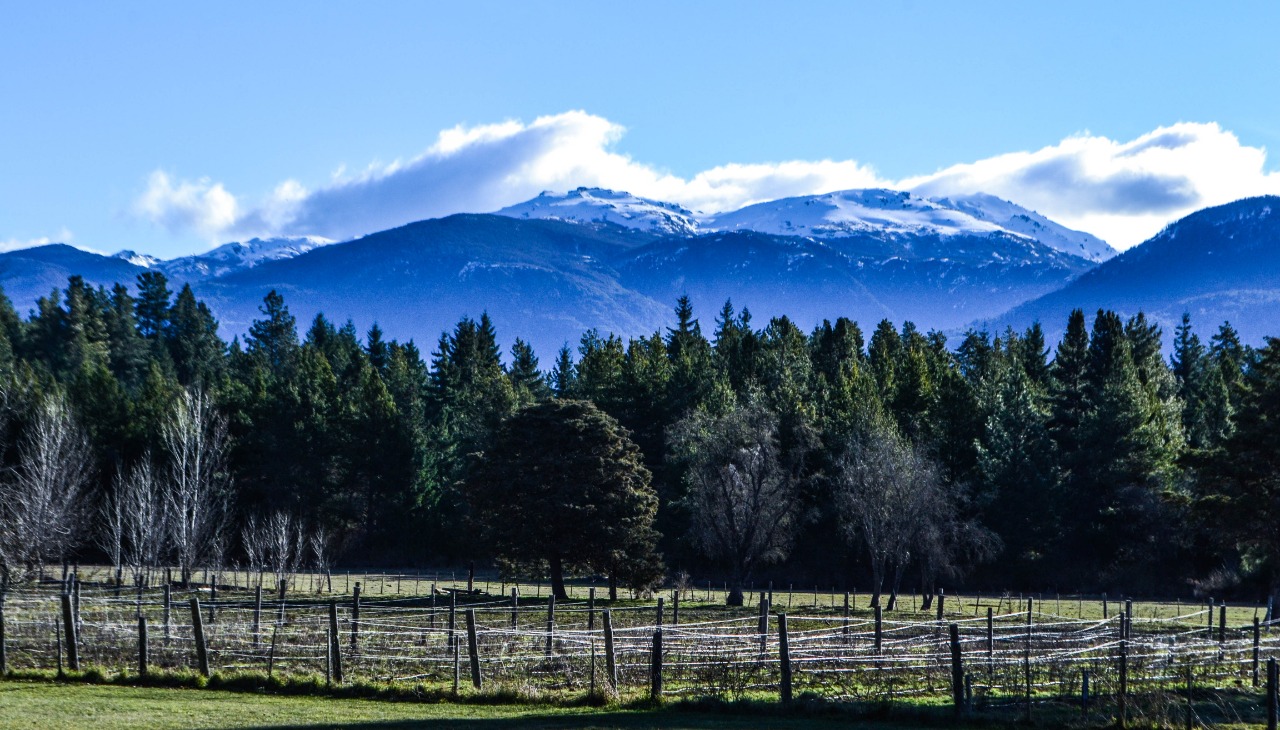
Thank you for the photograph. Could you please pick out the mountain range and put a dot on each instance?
(552, 267)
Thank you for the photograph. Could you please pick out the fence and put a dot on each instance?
(1007, 662)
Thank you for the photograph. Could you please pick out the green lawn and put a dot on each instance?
(104, 707)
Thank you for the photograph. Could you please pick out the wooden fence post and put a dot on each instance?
(4, 653)
(473, 649)
(257, 616)
(845, 629)
(957, 670)
(168, 605)
(879, 627)
(762, 625)
(551, 625)
(1257, 638)
(515, 604)
(1084, 692)
(197, 628)
(142, 646)
(355, 615)
(655, 668)
(69, 626)
(284, 584)
(784, 659)
(1026, 660)
(659, 616)
(335, 642)
(591, 608)
(213, 600)
(1122, 701)
(610, 660)
(1272, 680)
(453, 628)
(942, 600)
(991, 637)
(675, 607)
(1222, 623)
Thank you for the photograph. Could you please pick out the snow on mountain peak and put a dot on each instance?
(239, 255)
(146, 261)
(1016, 219)
(599, 205)
(852, 212)
(898, 213)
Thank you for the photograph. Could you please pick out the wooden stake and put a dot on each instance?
(551, 624)
(1122, 699)
(335, 648)
(142, 646)
(610, 660)
(473, 649)
(957, 671)
(784, 659)
(355, 616)
(69, 625)
(879, 627)
(655, 668)
(197, 627)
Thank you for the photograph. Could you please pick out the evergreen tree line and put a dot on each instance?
(823, 458)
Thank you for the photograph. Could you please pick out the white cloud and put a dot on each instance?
(1121, 191)
(202, 205)
(17, 244)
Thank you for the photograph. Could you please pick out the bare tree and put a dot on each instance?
(41, 496)
(197, 486)
(112, 526)
(894, 502)
(145, 518)
(319, 542)
(253, 536)
(284, 546)
(741, 499)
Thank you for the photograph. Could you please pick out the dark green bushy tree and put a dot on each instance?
(563, 485)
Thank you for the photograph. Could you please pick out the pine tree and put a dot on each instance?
(128, 351)
(193, 343)
(563, 376)
(527, 381)
(273, 340)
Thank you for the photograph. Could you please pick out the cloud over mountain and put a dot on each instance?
(1121, 191)
(1124, 192)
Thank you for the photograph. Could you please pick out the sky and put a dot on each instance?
(167, 128)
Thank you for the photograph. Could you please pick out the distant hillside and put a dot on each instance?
(1218, 264)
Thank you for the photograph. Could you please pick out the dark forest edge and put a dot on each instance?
(132, 433)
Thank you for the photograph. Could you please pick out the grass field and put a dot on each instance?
(28, 704)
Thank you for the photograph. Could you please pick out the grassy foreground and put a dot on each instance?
(42, 704)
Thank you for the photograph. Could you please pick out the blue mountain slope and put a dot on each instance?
(1220, 263)
(542, 280)
(32, 273)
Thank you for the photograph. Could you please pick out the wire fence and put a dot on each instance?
(998, 661)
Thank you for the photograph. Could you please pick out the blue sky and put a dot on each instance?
(167, 127)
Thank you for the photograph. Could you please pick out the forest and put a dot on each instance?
(133, 434)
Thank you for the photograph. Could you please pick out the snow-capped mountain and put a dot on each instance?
(1013, 217)
(1220, 263)
(852, 212)
(146, 261)
(895, 214)
(237, 256)
(598, 205)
